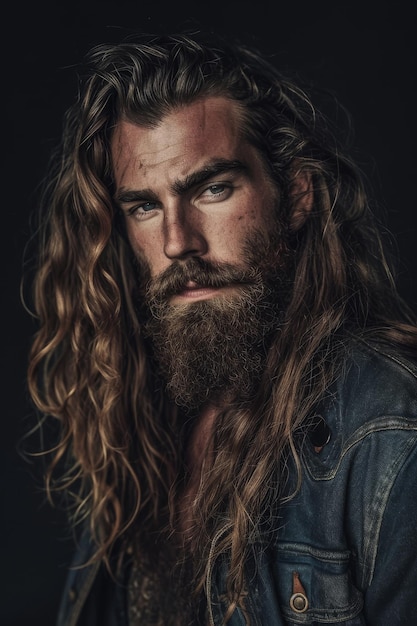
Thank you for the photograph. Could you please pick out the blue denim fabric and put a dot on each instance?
(350, 534)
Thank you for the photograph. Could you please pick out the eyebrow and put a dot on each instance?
(181, 186)
(206, 173)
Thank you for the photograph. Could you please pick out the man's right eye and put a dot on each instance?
(143, 208)
(147, 206)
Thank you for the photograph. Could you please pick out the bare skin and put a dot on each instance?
(192, 186)
(198, 452)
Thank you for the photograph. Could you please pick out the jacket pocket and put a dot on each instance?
(315, 586)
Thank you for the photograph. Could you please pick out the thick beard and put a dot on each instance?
(214, 348)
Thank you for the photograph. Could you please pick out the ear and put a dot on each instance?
(301, 198)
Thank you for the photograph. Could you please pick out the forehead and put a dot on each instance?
(188, 135)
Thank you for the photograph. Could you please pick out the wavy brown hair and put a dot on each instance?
(120, 439)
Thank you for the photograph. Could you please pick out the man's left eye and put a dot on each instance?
(216, 192)
(216, 189)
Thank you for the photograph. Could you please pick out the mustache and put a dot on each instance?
(205, 273)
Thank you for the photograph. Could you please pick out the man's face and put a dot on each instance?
(192, 187)
(201, 216)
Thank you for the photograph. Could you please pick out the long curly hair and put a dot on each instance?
(119, 440)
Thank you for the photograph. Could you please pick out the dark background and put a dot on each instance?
(363, 52)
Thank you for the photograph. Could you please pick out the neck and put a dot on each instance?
(198, 452)
(200, 437)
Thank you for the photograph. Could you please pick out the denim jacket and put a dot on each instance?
(345, 551)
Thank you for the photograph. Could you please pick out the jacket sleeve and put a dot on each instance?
(92, 596)
(391, 597)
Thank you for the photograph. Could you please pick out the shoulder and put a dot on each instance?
(376, 385)
(370, 358)
(369, 413)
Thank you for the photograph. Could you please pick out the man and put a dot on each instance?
(223, 345)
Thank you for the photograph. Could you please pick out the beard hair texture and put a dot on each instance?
(217, 347)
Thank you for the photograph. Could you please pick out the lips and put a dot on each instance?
(193, 287)
(194, 290)
(192, 284)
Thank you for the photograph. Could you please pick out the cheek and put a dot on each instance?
(255, 218)
(145, 248)
(135, 240)
(230, 239)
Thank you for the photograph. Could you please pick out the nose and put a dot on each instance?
(183, 236)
